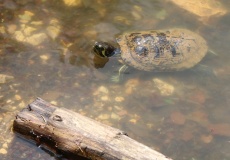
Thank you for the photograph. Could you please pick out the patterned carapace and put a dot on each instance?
(162, 50)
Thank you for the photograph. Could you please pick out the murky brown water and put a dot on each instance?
(45, 51)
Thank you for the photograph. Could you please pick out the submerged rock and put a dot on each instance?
(204, 8)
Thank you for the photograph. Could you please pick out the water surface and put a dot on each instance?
(46, 51)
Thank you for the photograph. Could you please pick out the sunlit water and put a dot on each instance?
(47, 48)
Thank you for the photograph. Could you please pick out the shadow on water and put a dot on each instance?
(22, 149)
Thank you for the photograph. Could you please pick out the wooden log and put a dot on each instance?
(68, 133)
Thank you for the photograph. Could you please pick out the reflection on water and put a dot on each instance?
(46, 51)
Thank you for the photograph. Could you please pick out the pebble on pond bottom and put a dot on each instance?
(3, 151)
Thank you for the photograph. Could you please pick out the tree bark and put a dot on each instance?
(68, 133)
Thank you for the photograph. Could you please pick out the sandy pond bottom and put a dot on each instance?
(45, 51)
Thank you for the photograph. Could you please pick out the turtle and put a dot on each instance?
(164, 50)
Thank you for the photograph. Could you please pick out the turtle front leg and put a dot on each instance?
(119, 76)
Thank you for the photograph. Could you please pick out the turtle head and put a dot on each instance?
(104, 49)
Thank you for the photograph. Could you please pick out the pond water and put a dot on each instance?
(46, 51)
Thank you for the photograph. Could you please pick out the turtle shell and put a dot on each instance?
(162, 50)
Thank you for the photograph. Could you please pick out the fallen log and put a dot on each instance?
(65, 132)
